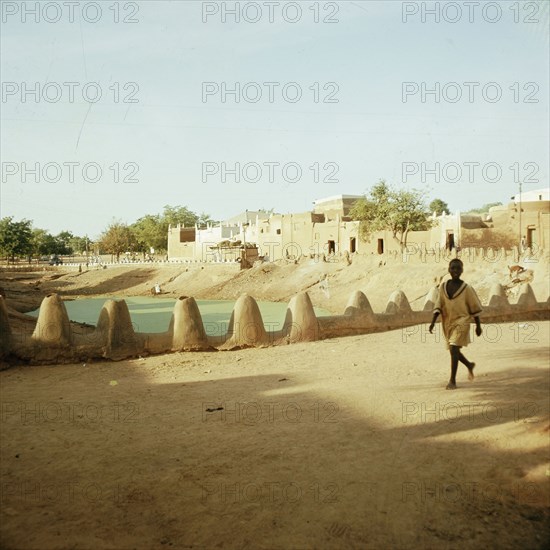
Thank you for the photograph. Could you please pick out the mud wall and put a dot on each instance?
(54, 341)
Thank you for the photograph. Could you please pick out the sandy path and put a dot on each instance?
(346, 443)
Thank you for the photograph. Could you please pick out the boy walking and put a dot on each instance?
(457, 303)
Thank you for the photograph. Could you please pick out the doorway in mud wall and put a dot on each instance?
(331, 247)
(531, 237)
(380, 248)
(352, 245)
(450, 244)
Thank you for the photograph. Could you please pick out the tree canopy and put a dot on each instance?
(484, 208)
(387, 209)
(439, 207)
(15, 238)
(20, 238)
(178, 214)
(151, 231)
(117, 238)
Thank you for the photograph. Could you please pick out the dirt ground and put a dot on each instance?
(344, 443)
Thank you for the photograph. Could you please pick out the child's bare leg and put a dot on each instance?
(455, 351)
(469, 365)
(463, 360)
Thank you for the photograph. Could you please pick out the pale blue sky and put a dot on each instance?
(369, 133)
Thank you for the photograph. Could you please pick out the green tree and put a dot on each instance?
(15, 238)
(150, 231)
(439, 207)
(483, 209)
(388, 209)
(63, 240)
(204, 219)
(78, 244)
(42, 242)
(178, 214)
(117, 238)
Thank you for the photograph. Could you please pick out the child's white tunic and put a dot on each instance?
(456, 313)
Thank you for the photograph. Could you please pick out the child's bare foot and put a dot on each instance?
(451, 386)
(471, 371)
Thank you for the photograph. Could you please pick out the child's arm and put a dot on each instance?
(478, 326)
(474, 306)
(432, 324)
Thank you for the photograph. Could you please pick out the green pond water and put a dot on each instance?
(151, 314)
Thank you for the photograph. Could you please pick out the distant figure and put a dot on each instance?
(457, 303)
(523, 243)
(324, 286)
(156, 289)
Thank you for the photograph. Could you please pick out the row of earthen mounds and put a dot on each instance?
(114, 337)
